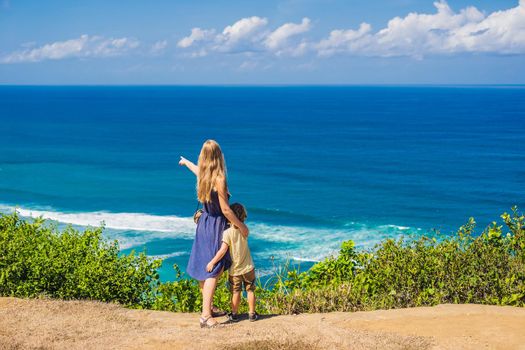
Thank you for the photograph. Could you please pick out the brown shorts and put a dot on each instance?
(247, 279)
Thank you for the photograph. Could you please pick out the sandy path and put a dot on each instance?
(47, 324)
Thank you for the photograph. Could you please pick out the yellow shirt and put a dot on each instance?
(240, 253)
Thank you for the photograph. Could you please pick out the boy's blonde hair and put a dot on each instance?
(239, 210)
(211, 166)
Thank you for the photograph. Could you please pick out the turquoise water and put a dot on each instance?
(314, 165)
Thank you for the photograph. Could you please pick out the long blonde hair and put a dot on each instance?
(211, 166)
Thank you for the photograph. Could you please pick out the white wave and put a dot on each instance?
(118, 221)
(296, 258)
(129, 229)
(130, 239)
(315, 244)
(167, 256)
(395, 227)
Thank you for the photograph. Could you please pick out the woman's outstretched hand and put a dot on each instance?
(184, 162)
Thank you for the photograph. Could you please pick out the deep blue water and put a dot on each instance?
(313, 165)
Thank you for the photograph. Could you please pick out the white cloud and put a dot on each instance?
(501, 32)
(246, 30)
(100, 47)
(54, 51)
(159, 47)
(418, 34)
(344, 40)
(278, 40)
(197, 34)
(247, 35)
(444, 32)
(85, 46)
(244, 35)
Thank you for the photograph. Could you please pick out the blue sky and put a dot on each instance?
(262, 42)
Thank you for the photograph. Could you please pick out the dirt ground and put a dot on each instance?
(51, 324)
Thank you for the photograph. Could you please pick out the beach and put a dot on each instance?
(53, 324)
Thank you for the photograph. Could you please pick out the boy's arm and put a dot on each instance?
(222, 251)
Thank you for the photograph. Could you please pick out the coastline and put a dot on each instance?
(45, 324)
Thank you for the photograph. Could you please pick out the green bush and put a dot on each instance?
(182, 295)
(487, 269)
(333, 270)
(38, 260)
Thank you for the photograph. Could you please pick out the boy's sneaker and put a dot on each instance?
(253, 317)
(233, 317)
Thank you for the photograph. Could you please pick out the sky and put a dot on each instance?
(207, 42)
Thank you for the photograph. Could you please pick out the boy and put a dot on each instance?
(242, 270)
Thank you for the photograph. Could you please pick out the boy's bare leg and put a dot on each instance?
(251, 301)
(236, 300)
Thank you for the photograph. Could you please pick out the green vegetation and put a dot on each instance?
(36, 259)
(485, 269)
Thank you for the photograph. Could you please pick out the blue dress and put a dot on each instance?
(208, 240)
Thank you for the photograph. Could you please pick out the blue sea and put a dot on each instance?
(313, 165)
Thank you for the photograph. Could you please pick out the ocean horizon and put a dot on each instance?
(314, 165)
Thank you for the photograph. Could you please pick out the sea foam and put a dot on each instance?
(118, 221)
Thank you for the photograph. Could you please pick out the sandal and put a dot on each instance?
(205, 322)
(216, 312)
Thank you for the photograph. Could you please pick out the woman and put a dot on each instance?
(212, 192)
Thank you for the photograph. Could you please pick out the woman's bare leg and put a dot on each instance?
(208, 290)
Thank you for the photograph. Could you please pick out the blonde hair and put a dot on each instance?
(211, 167)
